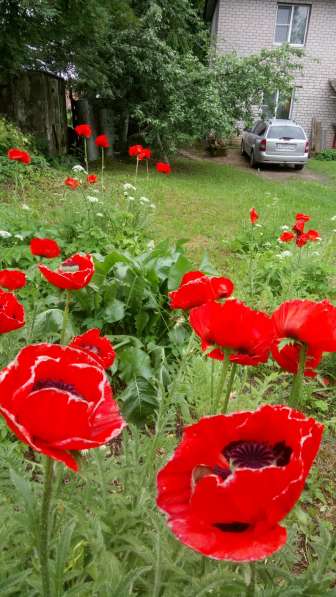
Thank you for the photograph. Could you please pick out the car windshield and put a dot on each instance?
(285, 132)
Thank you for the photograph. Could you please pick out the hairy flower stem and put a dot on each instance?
(251, 586)
(295, 395)
(136, 169)
(102, 169)
(86, 156)
(251, 264)
(44, 529)
(65, 316)
(225, 369)
(212, 382)
(229, 387)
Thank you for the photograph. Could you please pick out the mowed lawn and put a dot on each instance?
(208, 204)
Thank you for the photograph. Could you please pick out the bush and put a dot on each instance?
(12, 136)
(327, 155)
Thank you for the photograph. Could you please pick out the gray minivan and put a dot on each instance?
(276, 142)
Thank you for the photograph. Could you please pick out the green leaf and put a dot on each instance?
(177, 271)
(134, 362)
(62, 552)
(114, 311)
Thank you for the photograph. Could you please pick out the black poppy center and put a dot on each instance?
(54, 384)
(255, 455)
(232, 527)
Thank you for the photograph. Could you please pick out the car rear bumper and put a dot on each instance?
(266, 158)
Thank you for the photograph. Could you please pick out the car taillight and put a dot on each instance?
(262, 145)
(307, 147)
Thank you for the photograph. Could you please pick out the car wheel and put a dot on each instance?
(299, 166)
(253, 163)
(242, 150)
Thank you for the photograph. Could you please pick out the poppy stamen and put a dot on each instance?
(232, 527)
(255, 455)
(54, 384)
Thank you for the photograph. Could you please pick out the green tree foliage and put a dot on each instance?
(149, 58)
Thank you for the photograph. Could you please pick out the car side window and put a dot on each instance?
(260, 128)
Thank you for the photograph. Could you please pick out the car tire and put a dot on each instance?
(253, 163)
(299, 166)
(242, 150)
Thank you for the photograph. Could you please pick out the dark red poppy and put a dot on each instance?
(99, 347)
(301, 239)
(163, 167)
(19, 155)
(145, 154)
(58, 400)
(233, 326)
(233, 478)
(302, 217)
(286, 237)
(45, 247)
(196, 288)
(313, 235)
(303, 322)
(102, 141)
(83, 130)
(74, 273)
(254, 216)
(298, 227)
(72, 183)
(12, 315)
(92, 178)
(12, 279)
(135, 150)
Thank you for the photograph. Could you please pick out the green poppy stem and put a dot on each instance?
(251, 586)
(251, 264)
(44, 529)
(136, 169)
(229, 387)
(65, 316)
(86, 156)
(295, 395)
(102, 169)
(225, 369)
(212, 382)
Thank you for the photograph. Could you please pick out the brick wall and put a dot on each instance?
(247, 26)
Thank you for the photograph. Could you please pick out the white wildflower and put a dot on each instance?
(92, 199)
(286, 254)
(79, 168)
(151, 244)
(315, 253)
(5, 234)
(267, 244)
(99, 215)
(25, 206)
(152, 206)
(285, 227)
(131, 199)
(258, 225)
(144, 200)
(333, 218)
(19, 236)
(129, 187)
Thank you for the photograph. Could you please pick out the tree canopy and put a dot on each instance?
(151, 59)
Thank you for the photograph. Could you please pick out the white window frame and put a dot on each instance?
(292, 6)
(276, 105)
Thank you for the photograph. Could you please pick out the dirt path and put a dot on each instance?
(270, 172)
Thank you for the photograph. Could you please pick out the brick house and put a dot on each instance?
(247, 26)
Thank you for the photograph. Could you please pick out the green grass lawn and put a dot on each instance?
(208, 204)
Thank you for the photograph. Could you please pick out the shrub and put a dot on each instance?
(327, 155)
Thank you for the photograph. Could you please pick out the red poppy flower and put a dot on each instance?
(301, 240)
(91, 178)
(254, 216)
(83, 130)
(313, 235)
(196, 288)
(12, 279)
(74, 273)
(135, 150)
(72, 183)
(286, 237)
(303, 217)
(45, 247)
(163, 167)
(145, 154)
(12, 315)
(102, 141)
(298, 227)
(233, 478)
(99, 347)
(306, 323)
(246, 333)
(58, 400)
(19, 155)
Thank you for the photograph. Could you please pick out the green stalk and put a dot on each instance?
(102, 169)
(251, 265)
(65, 316)
(229, 387)
(225, 369)
(136, 169)
(212, 383)
(44, 529)
(251, 586)
(294, 399)
(86, 156)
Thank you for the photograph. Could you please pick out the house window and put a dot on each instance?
(277, 105)
(292, 24)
